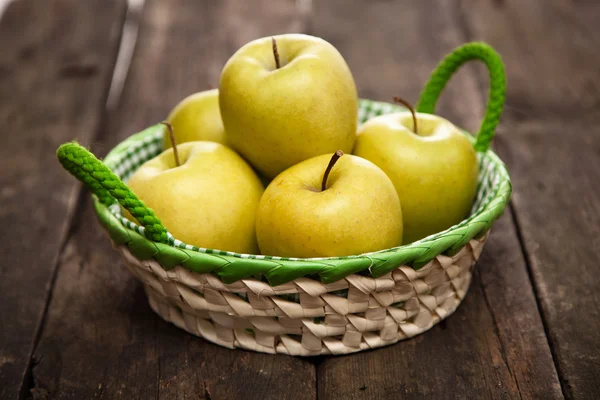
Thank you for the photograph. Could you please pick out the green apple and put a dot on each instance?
(318, 210)
(286, 99)
(434, 170)
(197, 117)
(210, 200)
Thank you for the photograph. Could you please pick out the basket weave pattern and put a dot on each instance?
(294, 306)
(352, 314)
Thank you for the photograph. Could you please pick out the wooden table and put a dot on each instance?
(75, 324)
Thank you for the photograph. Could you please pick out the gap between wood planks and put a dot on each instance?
(28, 382)
(113, 91)
(534, 283)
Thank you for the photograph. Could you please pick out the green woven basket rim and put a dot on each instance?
(493, 194)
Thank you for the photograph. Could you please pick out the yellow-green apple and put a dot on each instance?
(209, 200)
(316, 209)
(433, 167)
(197, 117)
(286, 99)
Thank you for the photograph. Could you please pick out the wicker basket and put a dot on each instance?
(302, 306)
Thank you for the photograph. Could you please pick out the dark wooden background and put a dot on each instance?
(74, 324)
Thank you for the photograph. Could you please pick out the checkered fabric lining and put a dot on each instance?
(127, 157)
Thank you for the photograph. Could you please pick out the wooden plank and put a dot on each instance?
(551, 142)
(57, 59)
(101, 338)
(494, 346)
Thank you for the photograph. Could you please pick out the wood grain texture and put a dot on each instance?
(56, 64)
(101, 338)
(551, 143)
(494, 346)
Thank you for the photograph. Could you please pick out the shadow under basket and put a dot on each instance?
(303, 306)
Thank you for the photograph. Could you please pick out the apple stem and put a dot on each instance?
(173, 142)
(412, 111)
(275, 53)
(336, 156)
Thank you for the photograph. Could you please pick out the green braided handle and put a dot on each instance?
(89, 182)
(101, 181)
(444, 71)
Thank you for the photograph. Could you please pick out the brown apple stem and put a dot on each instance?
(173, 142)
(275, 53)
(412, 111)
(336, 156)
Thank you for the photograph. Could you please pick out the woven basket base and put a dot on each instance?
(240, 338)
(306, 317)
